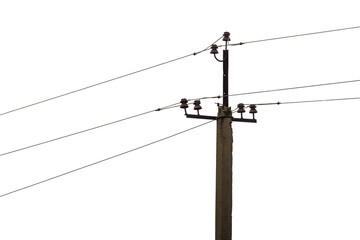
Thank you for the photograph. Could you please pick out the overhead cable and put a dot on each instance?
(308, 101)
(103, 160)
(298, 87)
(107, 81)
(281, 89)
(87, 130)
(293, 36)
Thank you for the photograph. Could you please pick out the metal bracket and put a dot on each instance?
(249, 120)
(215, 118)
(200, 116)
(220, 60)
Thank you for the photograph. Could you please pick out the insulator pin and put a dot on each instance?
(241, 109)
(253, 110)
(197, 106)
(184, 102)
(214, 48)
(226, 37)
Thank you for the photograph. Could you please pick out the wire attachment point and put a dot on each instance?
(253, 110)
(184, 104)
(197, 106)
(241, 109)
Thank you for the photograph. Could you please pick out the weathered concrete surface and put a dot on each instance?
(224, 141)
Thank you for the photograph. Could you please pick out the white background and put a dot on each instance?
(296, 172)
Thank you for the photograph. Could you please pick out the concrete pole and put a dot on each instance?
(224, 140)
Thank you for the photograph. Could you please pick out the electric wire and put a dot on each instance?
(294, 88)
(103, 82)
(106, 159)
(89, 129)
(293, 36)
(279, 89)
(309, 101)
(205, 49)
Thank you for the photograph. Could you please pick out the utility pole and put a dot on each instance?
(224, 142)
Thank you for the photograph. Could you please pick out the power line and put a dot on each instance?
(309, 101)
(298, 87)
(87, 130)
(103, 160)
(107, 81)
(281, 89)
(293, 36)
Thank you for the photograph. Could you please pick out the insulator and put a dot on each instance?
(184, 102)
(226, 36)
(253, 108)
(241, 107)
(214, 48)
(197, 105)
